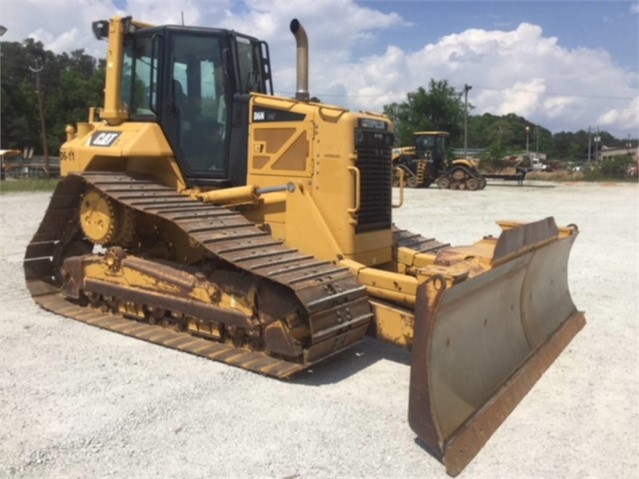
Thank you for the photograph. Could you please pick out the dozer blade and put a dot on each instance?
(481, 344)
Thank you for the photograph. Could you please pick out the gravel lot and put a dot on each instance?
(79, 402)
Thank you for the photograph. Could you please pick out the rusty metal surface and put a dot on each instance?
(329, 297)
(515, 239)
(460, 448)
(482, 344)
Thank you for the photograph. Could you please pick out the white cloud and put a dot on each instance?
(558, 106)
(517, 70)
(619, 116)
(60, 26)
(524, 97)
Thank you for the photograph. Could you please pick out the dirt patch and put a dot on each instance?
(558, 176)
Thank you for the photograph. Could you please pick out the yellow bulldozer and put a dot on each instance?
(424, 163)
(200, 212)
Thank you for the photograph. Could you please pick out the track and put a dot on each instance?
(417, 242)
(329, 298)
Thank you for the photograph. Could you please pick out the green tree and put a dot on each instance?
(609, 169)
(440, 108)
(69, 83)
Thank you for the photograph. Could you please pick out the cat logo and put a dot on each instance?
(104, 138)
(259, 116)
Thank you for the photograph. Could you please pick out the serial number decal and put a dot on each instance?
(269, 115)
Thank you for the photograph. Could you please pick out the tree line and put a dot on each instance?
(441, 107)
(72, 82)
(69, 84)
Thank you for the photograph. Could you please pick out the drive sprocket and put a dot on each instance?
(104, 221)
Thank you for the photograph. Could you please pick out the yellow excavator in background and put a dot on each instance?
(200, 212)
(425, 163)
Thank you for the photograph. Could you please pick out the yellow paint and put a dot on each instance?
(227, 196)
(96, 217)
(141, 147)
(389, 285)
(317, 154)
(314, 236)
(393, 324)
(106, 269)
(114, 111)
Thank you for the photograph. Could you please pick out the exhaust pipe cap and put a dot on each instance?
(301, 40)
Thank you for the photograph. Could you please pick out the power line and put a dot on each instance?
(522, 90)
(552, 93)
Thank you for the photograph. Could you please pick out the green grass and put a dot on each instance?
(27, 185)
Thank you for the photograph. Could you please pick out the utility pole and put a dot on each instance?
(467, 88)
(597, 140)
(41, 108)
(589, 143)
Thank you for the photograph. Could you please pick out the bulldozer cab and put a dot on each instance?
(431, 145)
(185, 79)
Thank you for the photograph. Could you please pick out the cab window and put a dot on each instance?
(201, 101)
(139, 77)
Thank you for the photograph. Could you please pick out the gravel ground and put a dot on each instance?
(78, 402)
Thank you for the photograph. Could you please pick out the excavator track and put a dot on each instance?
(328, 296)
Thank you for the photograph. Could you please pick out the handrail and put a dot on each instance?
(357, 174)
(401, 187)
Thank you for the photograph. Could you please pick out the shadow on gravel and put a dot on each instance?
(525, 185)
(350, 362)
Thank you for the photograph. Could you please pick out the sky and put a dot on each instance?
(564, 65)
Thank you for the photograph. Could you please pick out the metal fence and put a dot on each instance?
(20, 167)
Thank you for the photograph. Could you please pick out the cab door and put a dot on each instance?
(195, 116)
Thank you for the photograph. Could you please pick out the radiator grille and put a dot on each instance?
(374, 163)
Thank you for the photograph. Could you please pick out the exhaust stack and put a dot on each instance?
(301, 40)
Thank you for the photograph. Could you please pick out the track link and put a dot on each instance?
(417, 242)
(334, 304)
